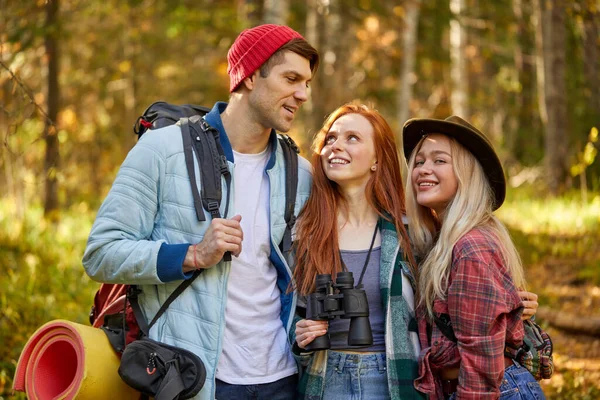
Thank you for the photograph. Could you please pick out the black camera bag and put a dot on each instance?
(157, 369)
(162, 371)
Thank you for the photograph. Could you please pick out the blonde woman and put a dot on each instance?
(470, 270)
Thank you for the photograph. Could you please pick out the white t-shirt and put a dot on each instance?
(255, 347)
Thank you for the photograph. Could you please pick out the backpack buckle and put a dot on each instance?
(224, 167)
(133, 291)
(207, 128)
(292, 221)
(173, 362)
(213, 207)
(291, 143)
(523, 350)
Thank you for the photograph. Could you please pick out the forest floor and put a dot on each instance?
(567, 281)
(559, 241)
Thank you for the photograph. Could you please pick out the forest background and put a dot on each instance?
(75, 75)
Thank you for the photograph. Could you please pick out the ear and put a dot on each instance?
(250, 82)
(374, 167)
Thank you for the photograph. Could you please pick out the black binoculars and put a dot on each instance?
(339, 300)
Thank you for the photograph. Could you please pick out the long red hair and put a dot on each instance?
(317, 249)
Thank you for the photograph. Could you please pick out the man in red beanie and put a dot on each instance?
(269, 67)
(237, 314)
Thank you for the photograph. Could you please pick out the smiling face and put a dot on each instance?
(275, 99)
(433, 177)
(348, 152)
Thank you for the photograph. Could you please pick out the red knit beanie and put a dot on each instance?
(253, 47)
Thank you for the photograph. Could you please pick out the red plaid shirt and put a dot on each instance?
(485, 311)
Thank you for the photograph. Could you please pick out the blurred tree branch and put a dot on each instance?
(27, 91)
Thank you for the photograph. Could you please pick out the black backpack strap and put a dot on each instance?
(213, 164)
(290, 154)
(132, 296)
(172, 383)
(445, 326)
(189, 163)
(201, 138)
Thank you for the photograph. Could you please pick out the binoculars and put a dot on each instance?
(339, 300)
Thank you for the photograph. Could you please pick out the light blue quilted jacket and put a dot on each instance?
(151, 203)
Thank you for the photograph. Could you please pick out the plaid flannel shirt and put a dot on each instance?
(401, 362)
(485, 311)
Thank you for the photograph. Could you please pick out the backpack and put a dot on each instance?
(535, 354)
(116, 309)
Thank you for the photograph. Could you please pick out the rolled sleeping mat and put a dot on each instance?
(66, 360)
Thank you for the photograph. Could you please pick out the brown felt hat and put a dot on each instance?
(467, 135)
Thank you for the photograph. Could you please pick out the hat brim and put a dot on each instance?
(474, 141)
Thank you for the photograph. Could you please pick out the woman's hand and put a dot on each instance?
(307, 330)
(530, 303)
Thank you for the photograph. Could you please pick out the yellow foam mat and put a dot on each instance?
(67, 360)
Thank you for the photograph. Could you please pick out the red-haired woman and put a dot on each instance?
(353, 221)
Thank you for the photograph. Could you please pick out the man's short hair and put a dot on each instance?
(298, 46)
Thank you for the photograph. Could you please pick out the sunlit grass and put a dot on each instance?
(562, 230)
(41, 276)
(565, 215)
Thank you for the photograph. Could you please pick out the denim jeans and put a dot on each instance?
(356, 376)
(517, 384)
(283, 389)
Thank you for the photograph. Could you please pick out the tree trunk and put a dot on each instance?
(407, 74)
(276, 11)
(570, 322)
(338, 43)
(409, 55)
(525, 136)
(52, 150)
(459, 98)
(553, 44)
(316, 36)
(6, 160)
(249, 12)
(131, 54)
(328, 32)
(591, 64)
(9, 180)
(539, 57)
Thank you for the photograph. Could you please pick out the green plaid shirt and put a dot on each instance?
(402, 365)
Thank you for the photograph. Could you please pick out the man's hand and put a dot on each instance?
(530, 303)
(307, 330)
(223, 235)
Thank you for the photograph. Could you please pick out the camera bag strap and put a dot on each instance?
(359, 285)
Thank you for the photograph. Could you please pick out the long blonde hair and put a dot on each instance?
(434, 239)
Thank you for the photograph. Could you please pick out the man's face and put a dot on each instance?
(274, 100)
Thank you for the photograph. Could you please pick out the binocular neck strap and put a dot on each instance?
(362, 274)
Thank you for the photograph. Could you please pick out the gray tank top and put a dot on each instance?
(338, 328)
